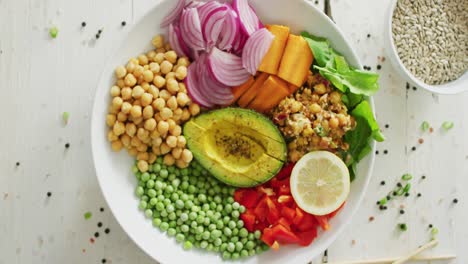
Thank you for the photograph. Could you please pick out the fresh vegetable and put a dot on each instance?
(270, 94)
(255, 49)
(238, 146)
(249, 21)
(320, 183)
(227, 68)
(53, 32)
(296, 61)
(447, 125)
(272, 59)
(250, 94)
(425, 126)
(271, 209)
(238, 91)
(196, 209)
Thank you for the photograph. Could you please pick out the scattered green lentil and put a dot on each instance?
(425, 126)
(403, 227)
(53, 32)
(88, 215)
(65, 117)
(447, 125)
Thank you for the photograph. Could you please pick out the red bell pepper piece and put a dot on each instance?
(308, 222)
(283, 235)
(306, 237)
(299, 216)
(285, 171)
(273, 213)
(285, 222)
(261, 210)
(249, 221)
(267, 236)
(323, 221)
(250, 198)
(288, 213)
(284, 190)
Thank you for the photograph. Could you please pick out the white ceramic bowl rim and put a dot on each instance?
(100, 150)
(453, 87)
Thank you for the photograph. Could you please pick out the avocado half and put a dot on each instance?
(240, 147)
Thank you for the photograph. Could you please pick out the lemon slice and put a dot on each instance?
(320, 182)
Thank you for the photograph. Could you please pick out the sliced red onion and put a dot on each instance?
(176, 41)
(249, 20)
(238, 45)
(213, 91)
(190, 27)
(173, 15)
(205, 10)
(213, 24)
(255, 49)
(227, 68)
(193, 87)
(194, 4)
(230, 31)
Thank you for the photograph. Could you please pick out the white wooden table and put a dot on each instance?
(40, 78)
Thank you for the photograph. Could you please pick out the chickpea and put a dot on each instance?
(126, 106)
(159, 104)
(125, 140)
(325, 125)
(174, 70)
(130, 67)
(184, 61)
(111, 136)
(171, 56)
(157, 141)
(171, 141)
(181, 72)
(296, 106)
(333, 123)
(153, 91)
(110, 119)
(148, 76)
(113, 110)
(342, 119)
(182, 88)
(143, 156)
(164, 94)
(126, 93)
(142, 148)
(137, 121)
(154, 67)
(142, 133)
(158, 41)
(133, 60)
(172, 86)
(176, 153)
(120, 72)
(115, 91)
(176, 131)
(158, 118)
(178, 112)
(155, 134)
(145, 86)
(156, 150)
(150, 124)
(117, 145)
(119, 128)
(142, 59)
(142, 165)
(164, 148)
(185, 115)
(320, 88)
(117, 102)
(136, 111)
(159, 58)
(138, 72)
(130, 129)
(166, 113)
(324, 143)
(148, 112)
(166, 67)
(159, 81)
(133, 152)
(187, 156)
(130, 80)
(168, 160)
(172, 124)
(181, 164)
(152, 158)
(120, 83)
(163, 127)
(170, 75)
(122, 117)
(150, 54)
(137, 92)
(315, 108)
(135, 142)
(194, 109)
(335, 97)
(146, 99)
(172, 103)
(181, 141)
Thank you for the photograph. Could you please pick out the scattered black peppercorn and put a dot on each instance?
(385, 208)
(83, 24)
(67, 145)
(430, 225)
(378, 203)
(99, 224)
(376, 152)
(368, 35)
(382, 183)
(101, 209)
(387, 126)
(413, 148)
(394, 193)
(96, 235)
(17, 164)
(107, 231)
(97, 36)
(369, 68)
(123, 23)
(316, 2)
(423, 177)
(388, 197)
(379, 67)
(455, 200)
(407, 86)
(402, 211)
(399, 184)
(407, 194)
(381, 207)
(99, 31)
(414, 88)
(419, 194)
(49, 194)
(385, 152)
(103, 260)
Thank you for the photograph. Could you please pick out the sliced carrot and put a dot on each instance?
(296, 61)
(238, 91)
(250, 94)
(271, 93)
(272, 59)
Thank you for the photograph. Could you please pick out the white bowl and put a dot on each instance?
(114, 170)
(453, 87)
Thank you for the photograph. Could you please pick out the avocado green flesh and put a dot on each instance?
(235, 153)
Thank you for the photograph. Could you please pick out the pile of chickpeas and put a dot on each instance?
(149, 105)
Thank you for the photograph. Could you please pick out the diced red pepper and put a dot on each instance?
(261, 210)
(267, 236)
(284, 190)
(299, 216)
(275, 245)
(288, 213)
(238, 195)
(306, 237)
(308, 222)
(323, 221)
(283, 235)
(249, 221)
(273, 213)
(250, 198)
(285, 171)
(285, 222)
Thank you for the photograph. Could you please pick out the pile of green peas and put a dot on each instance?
(197, 209)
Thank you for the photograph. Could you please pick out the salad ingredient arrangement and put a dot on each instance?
(238, 146)
(217, 180)
(149, 104)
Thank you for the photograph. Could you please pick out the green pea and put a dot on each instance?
(235, 214)
(240, 223)
(244, 253)
(234, 239)
(163, 173)
(134, 169)
(209, 213)
(156, 167)
(167, 202)
(172, 224)
(139, 191)
(174, 196)
(156, 222)
(211, 227)
(192, 215)
(217, 215)
(235, 255)
(184, 185)
(227, 231)
(161, 197)
(228, 208)
(170, 208)
(188, 245)
(230, 199)
(243, 232)
(213, 205)
(145, 177)
(180, 238)
(142, 205)
(202, 198)
(257, 234)
(153, 201)
(196, 209)
(192, 189)
(239, 246)
(172, 216)
(196, 173)
(226, 219)
(252, 252)
(223, 247)
(215, 234)
(210, 247)
(206, 221)
(169, 189)
(171, 232)
(203, 244)
(151, 193)
(145, 198)
(242, 209)
(150, 184)
(188, 204)
(200, 229)
(244, 240)
(250, 245)
(198, 237)
(235, 231)
(219, 224)
(251, 237)
(184, 217)
(211, 192)
(259, 249)
(184, 197)
(217, 199)
(200, 184)
(231, 247)
(184, 228)
(206, 235)
(164, 226)
(235, 205)
(159, 206)
(179, 204)
(226, 255)
(193, 224)
(175, 183)
(164, 213)
(232, 224)
(200, 219)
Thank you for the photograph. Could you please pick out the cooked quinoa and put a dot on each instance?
(313, 118)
